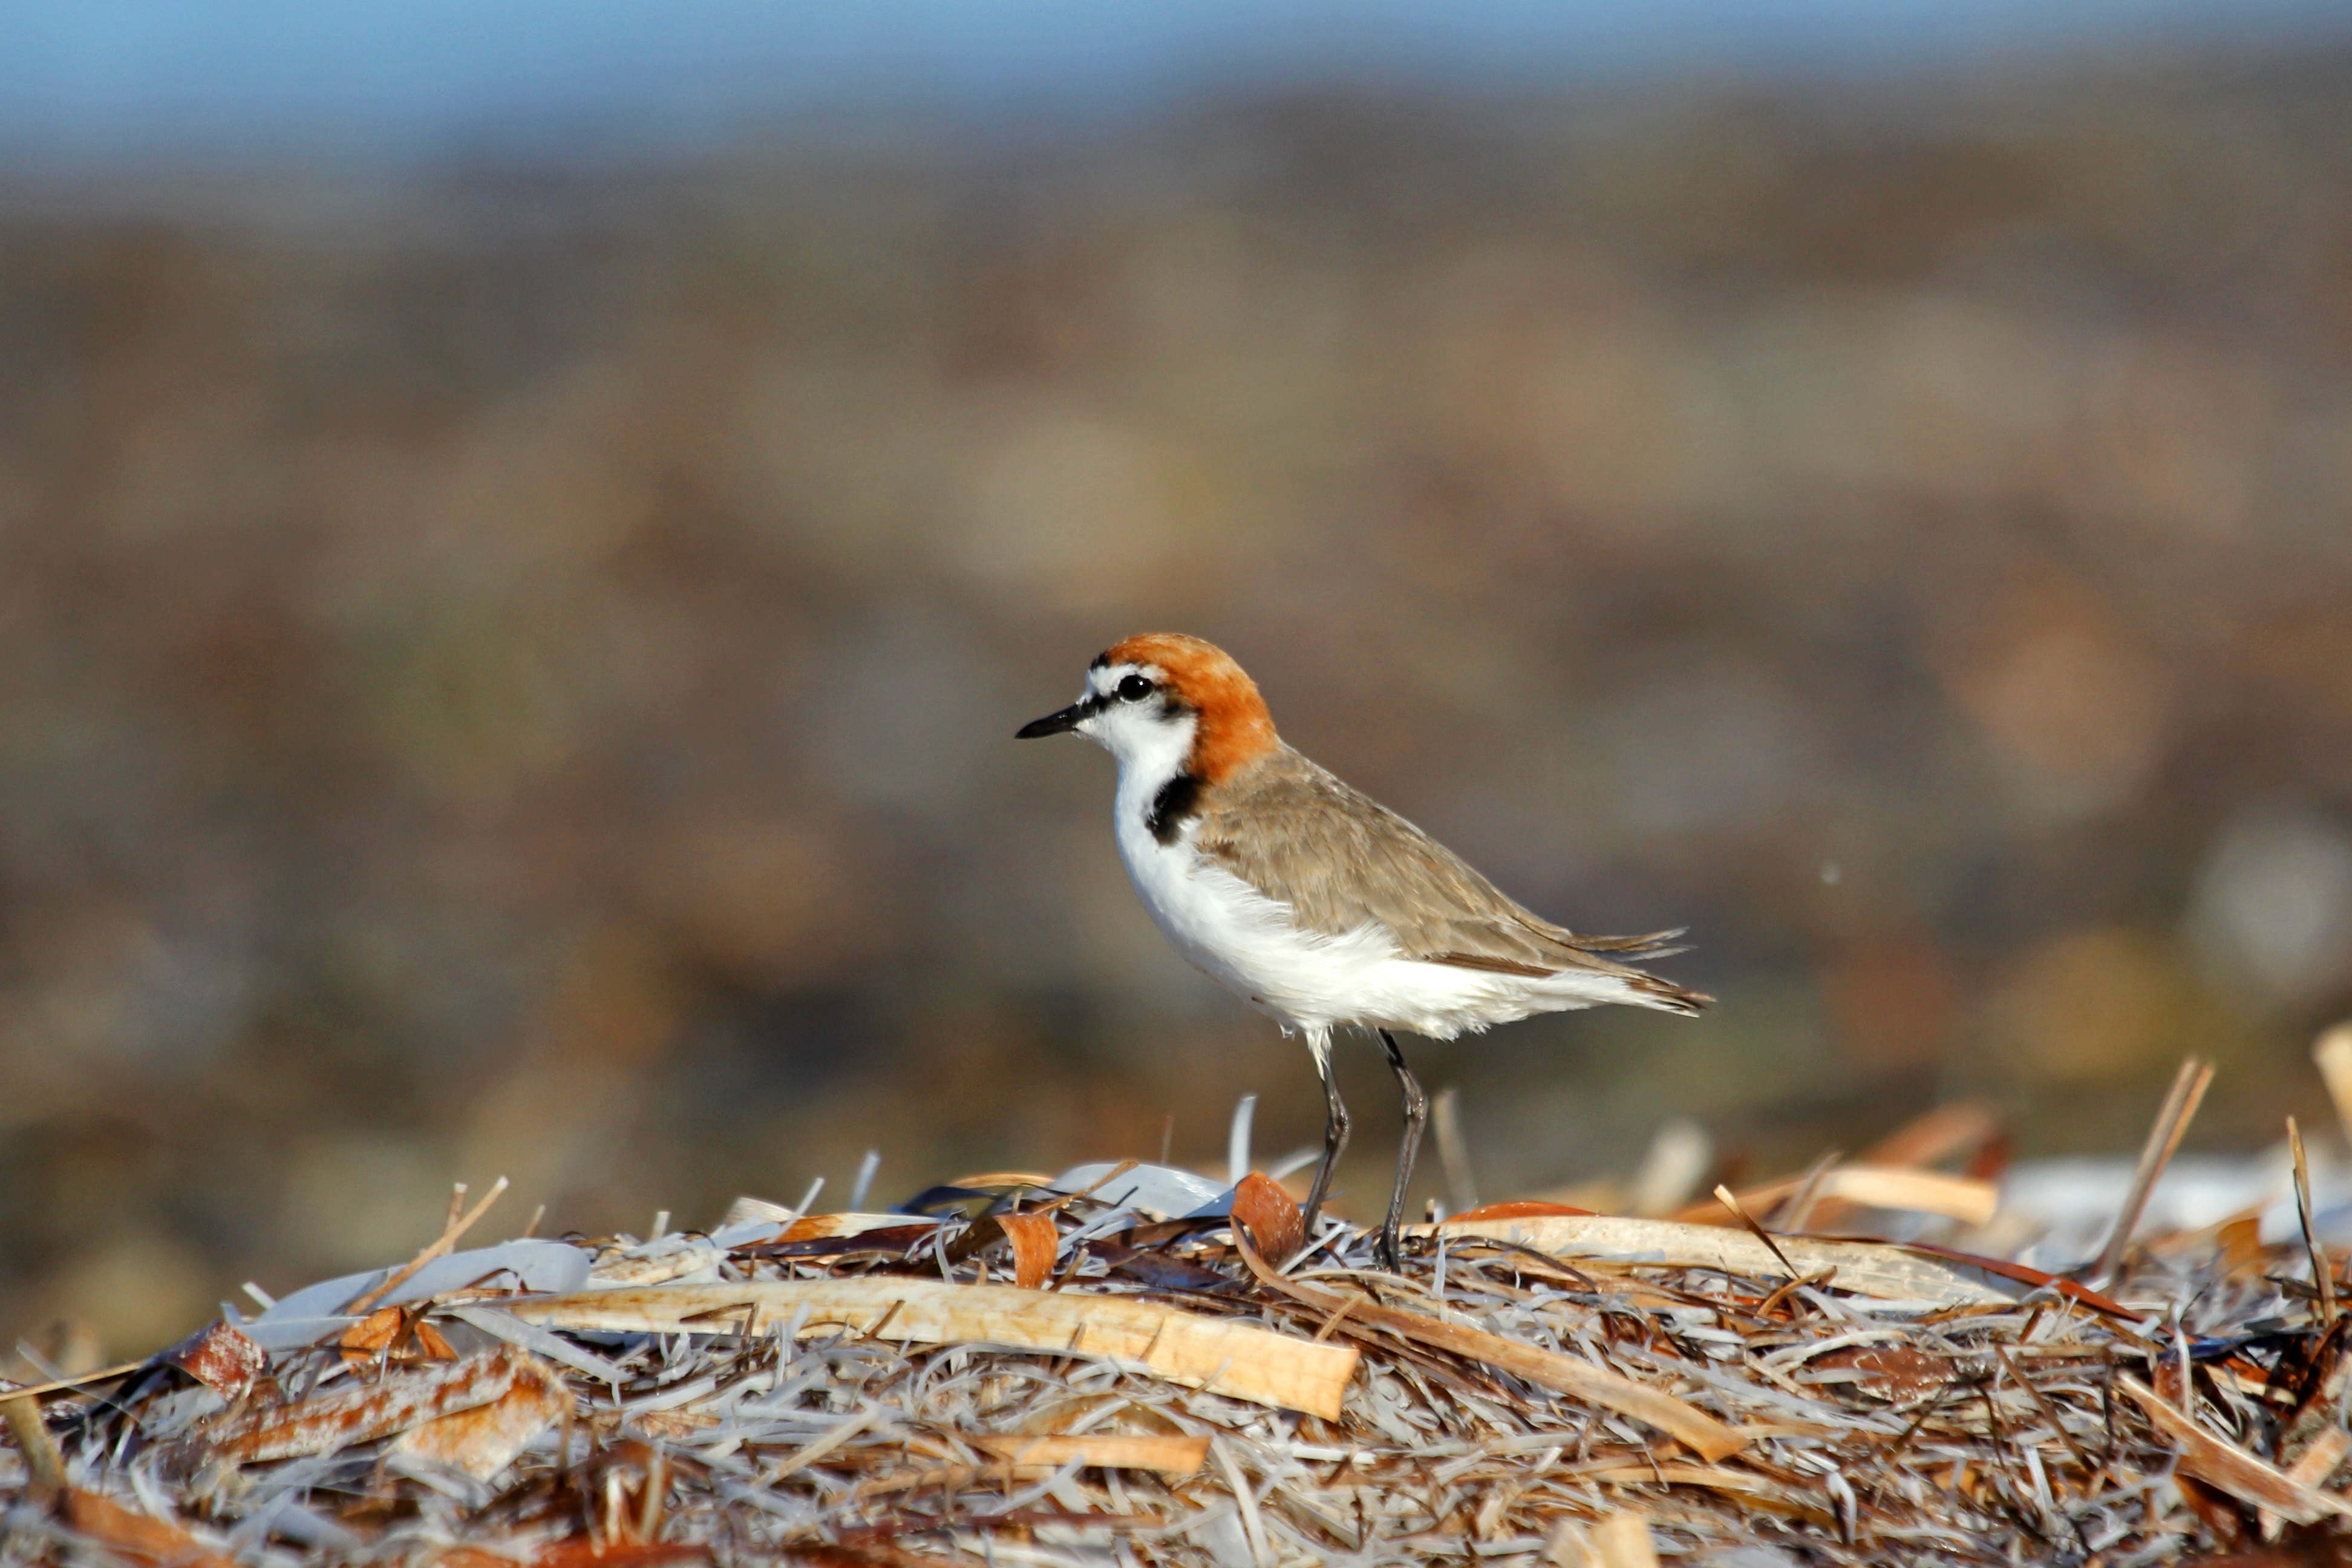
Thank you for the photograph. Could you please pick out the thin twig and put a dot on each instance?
(59, 1386)
(2180, 1104)
(448, 1240)
(1730, 1200)
(2321, 1279)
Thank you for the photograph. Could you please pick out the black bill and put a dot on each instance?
(1061, 723)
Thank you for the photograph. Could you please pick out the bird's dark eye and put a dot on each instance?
(1134, 688)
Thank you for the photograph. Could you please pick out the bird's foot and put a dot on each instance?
(1391, 1252)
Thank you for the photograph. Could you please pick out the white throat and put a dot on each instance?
(1150, 750)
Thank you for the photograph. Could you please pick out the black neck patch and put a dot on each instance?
(1178, 801)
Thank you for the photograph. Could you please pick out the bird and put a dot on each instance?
(1311, 900)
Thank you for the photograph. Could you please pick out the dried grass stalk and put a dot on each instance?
(1526, 1388)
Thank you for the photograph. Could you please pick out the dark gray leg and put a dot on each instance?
(1416, 1117)
(1335, 1131)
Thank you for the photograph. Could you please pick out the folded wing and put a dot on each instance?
(1341, 859)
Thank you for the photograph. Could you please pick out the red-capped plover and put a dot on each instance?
(1315, 904)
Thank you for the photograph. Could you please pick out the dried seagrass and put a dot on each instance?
(1536, 1388)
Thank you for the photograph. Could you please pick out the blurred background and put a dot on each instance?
(524, 539)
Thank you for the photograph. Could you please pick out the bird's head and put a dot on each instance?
(1164, 695)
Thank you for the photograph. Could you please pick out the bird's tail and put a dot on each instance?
(1615, 956)
(1664, 995)
(1649, 990)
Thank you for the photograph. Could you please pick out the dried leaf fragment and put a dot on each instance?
(1034, 1239)
(1621, 1540)
(643, 1266)
(2311, 1469)
(485, 1440)
(1916, 1192)
(1891, 1372)
(1868, 1268)
(2333, 1054)
(137, 1536)
(2231, 1469)
(824, 1227)
(1961, 1198)
(1954, 1128)
(365, 1413)
(1111, 1450)
(372, 1335)
(1520, 1208)
(1277, 1227)
(1238, 1360)
(220, 1358)
(2240, 1241)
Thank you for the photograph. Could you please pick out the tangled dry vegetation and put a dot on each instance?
(1063, 1372)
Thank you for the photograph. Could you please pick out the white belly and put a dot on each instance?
(1306, 980)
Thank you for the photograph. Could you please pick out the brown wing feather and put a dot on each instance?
(1338, 858)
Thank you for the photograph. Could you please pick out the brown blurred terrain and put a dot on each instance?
(514, 672)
